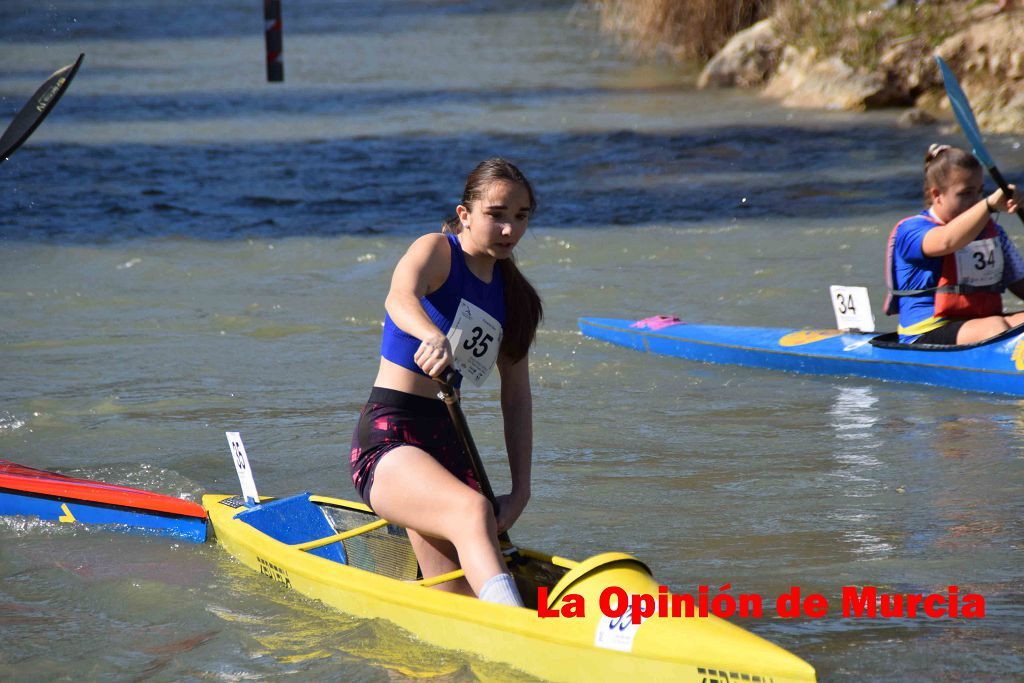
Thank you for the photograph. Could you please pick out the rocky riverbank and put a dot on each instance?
(841, 54)
(985, 48)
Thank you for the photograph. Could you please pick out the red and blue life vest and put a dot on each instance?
(969, 283)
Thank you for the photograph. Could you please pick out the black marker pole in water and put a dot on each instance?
(41, 104)
(275, 44)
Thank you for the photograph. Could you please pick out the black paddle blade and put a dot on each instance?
(33, 113)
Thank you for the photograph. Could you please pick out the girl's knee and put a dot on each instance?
(980, 329)
(477, 514)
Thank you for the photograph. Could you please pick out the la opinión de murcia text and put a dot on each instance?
(858, 602)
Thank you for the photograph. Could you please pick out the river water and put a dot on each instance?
(187, 249)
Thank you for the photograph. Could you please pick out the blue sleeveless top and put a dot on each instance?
(442, 305)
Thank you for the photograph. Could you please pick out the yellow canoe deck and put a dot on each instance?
(590, 647)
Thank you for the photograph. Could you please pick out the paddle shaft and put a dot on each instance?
(969, 125)
(447, 383)
(1005, 187)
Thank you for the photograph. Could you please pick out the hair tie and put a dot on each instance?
(935, 150)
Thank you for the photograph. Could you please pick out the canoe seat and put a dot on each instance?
(891, 340)
(295, 520)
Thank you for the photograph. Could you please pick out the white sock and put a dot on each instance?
(501, 588)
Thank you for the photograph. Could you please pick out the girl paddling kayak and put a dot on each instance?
(948, 266)
(456, 299)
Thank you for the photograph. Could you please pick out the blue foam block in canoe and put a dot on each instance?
(295, 520)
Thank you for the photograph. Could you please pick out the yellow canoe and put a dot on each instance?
(340, 553)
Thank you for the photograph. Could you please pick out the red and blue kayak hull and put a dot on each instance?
(47, 495)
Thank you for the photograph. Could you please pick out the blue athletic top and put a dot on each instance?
(442, 305)
(914, 270)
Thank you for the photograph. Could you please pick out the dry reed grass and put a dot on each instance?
(680, 29)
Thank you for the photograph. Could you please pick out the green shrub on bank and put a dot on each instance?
(859, 31)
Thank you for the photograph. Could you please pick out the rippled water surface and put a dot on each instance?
(187, 249)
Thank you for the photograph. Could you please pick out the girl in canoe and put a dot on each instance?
(457, 298)
(947, 267)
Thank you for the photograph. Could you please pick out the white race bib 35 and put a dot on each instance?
(475, 336)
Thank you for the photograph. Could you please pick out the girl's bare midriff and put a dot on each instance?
(394, 376)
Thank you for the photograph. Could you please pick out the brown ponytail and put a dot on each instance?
(523, 312)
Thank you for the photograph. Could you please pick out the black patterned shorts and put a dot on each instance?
(394, 418)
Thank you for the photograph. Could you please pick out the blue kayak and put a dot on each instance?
(995, 366)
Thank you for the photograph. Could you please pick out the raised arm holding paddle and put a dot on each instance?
(948, 266)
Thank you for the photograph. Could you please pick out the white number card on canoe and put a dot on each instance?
(241, 461)
(852, 308)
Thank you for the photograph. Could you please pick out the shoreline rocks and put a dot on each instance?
(987, 56)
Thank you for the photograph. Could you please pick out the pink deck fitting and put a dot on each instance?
(657, 322)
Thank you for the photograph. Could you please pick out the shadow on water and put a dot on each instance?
(395, 183)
